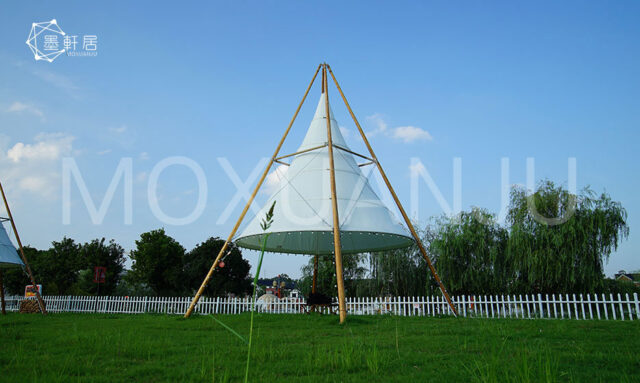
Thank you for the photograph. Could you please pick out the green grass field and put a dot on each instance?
(314, 348)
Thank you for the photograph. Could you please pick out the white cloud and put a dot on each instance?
(119, 130)
(34, 167)
(273, 179)
(380, 125)
(103, 152)
(407, 134)
(19, 107)
(411, 133)
(46, 147)
(122, 135)
(33, 183)
(59, 81)
(144, 156)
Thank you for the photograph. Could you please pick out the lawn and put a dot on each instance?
(314, 348)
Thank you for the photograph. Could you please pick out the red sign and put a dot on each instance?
(30, 291)
(100, 274)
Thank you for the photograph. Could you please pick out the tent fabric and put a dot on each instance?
(8, 254)
(303, 214)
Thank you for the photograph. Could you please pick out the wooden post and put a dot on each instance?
(334, 203)
(4, 311)
(246, 208)
(423, 251)
(43, 310)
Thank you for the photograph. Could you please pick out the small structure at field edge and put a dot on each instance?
(9, 255)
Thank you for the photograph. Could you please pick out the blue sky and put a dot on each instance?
(485, 80)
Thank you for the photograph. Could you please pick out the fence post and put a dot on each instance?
(540, 305)
(635, 299)
(613, 307)
(492, 307)
(464, 306)
(620, 306)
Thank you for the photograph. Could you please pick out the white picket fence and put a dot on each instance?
(565, 306)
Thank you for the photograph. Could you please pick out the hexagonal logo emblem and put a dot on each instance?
(45, 40)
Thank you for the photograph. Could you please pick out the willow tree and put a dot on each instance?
(559, 242)
(469, 251)
(400, 272)
(353, 272)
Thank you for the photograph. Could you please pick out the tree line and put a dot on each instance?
(552, 242)
(161, 266)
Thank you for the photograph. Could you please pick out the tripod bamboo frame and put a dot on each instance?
(43, 310)
(326, 70)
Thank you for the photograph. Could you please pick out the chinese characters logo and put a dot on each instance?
(47, 41)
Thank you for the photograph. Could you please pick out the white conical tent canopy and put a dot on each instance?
(303, 215)
(8, 254)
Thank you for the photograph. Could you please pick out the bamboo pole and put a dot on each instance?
(43, 310)
(352, 152)
(246, 208)
(334, 203)
(4, 311)
(395, 198)
(300, 152)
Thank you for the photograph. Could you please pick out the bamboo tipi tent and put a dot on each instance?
(9, 255)
(324, 203)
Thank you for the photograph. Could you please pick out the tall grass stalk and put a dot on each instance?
(265, 224)
(253, 306)
(234, 332)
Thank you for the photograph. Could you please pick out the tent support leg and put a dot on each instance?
(334, 203)
(4, 311)
(195, 300)
(43, 310)
(395, 198)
